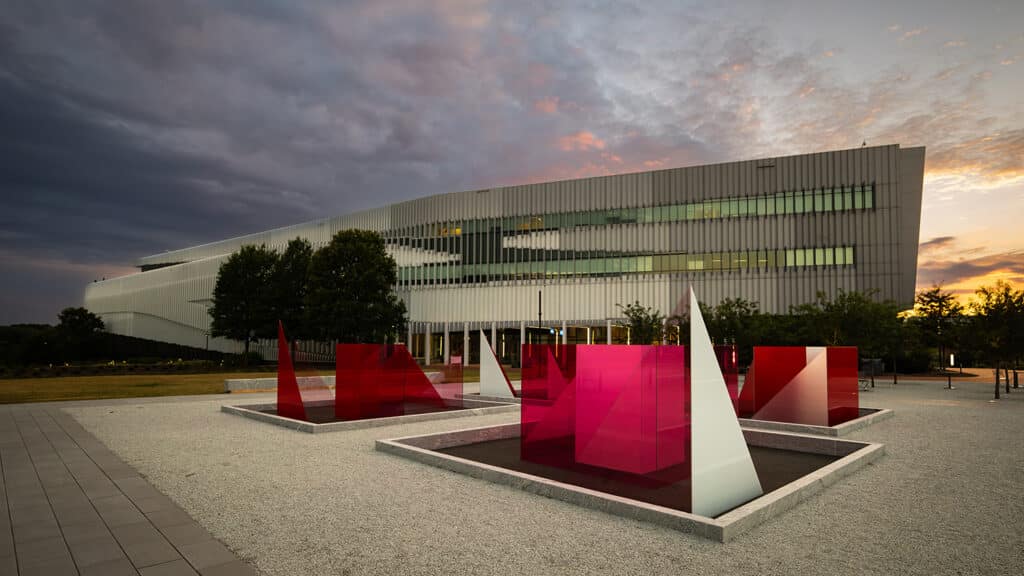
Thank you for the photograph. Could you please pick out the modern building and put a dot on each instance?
(555, 260)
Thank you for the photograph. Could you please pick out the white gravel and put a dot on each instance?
(947, 499)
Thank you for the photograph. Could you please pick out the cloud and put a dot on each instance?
(582, 140)
(132, 128)
(546, 105)
(963, 276)
(936, 244)
(911, 33)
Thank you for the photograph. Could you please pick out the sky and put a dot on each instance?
(131, 127)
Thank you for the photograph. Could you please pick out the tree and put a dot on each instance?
(737, 321)
(350, 297)
(646, 325)
(289, 281)
(850, 319)
(76, 336)
(79, 323)
(937, 313)
(243, 297)
(999, 322)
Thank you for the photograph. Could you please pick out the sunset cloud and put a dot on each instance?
(546, 105)
(137, 127)
(581, 141)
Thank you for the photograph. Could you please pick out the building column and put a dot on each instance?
(426, 343)
(565, 334)
(408, 338)
(494, 338)
(447, 345)
(608, 335)
(465, 343)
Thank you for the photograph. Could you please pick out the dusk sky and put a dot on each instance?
(133, 127)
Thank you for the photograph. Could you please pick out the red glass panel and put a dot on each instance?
(843, 400)
(289, 400)
(673, 406)
(616, 408)
(772, 369)
(380, 380)
(729, 364)
(549, 404)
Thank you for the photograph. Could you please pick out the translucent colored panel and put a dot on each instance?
(615, 388)
(812, 385)
(843, 401)
(849, 254)
(869, 196)
(619, 408)
(289, 400)
(772, 368)
(726, 355)
(548, 392)
(378, 380)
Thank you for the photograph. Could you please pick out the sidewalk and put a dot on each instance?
(68, 505)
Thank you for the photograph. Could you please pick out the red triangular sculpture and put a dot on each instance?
(289, 400)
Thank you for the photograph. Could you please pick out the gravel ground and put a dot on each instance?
(948, 498)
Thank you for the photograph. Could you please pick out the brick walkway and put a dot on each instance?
(68, 505)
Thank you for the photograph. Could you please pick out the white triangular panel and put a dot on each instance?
(492, 378)
(804, 399)
(722, 473)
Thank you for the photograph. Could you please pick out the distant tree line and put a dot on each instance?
(342, 292)
(989, 330)
(78, 338)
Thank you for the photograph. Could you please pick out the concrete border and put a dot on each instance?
(487, 398)
(472, 408)
(840, 430)
(853, 456)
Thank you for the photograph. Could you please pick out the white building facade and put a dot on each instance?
(556, 259)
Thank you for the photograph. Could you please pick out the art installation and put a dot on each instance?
(371, 381)
(493, 380)
(289, 398)
(802, 385)
(728, 362)
(642, 410)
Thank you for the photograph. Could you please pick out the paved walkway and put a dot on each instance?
(68, 505)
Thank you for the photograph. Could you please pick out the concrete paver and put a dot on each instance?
(69, 505)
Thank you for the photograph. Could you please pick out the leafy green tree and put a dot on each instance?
(999, 322)
(937, 312)
(76, 336)
(79, 323)
(243, 297)
(736, 321)
(646, 325)
(289, 281)
(350, 297)
(850, 319)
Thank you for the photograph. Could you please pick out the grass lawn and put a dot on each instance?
(121, 386)
(16, 390)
